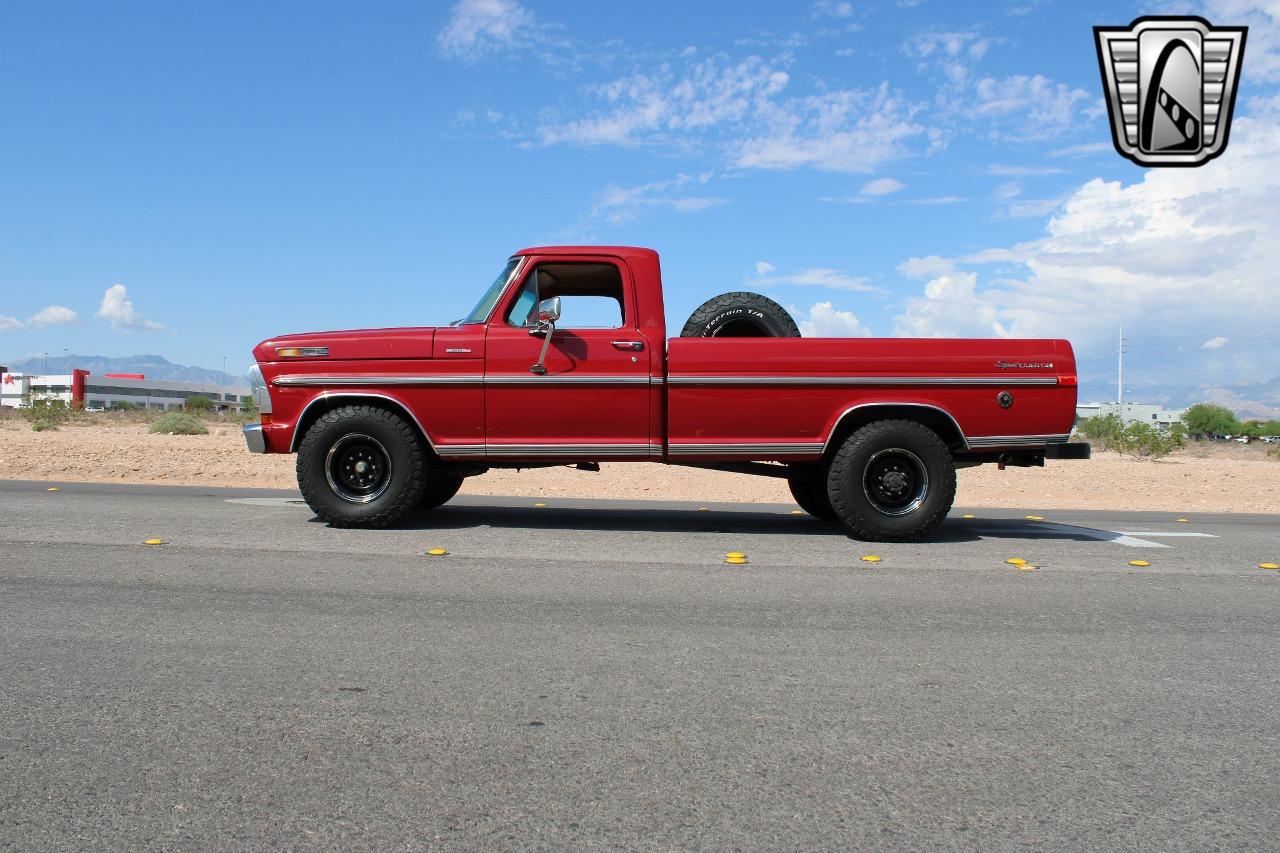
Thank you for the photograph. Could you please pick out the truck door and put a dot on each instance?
(593, 400)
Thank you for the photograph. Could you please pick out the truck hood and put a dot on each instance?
(351, 345)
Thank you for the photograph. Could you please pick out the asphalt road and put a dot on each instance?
(592, 673)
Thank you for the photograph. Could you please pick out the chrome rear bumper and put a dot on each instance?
(253, 438)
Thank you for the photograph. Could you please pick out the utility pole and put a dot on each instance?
(65, 368)
(224, 371)
(1120, 377)
(46, 364)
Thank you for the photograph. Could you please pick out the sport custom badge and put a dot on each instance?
(1171, 85)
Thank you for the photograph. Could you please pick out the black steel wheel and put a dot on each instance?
(810, 493)
(892, 481)
(361, 466)
(439, 491)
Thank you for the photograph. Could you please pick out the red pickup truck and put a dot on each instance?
(565, 360)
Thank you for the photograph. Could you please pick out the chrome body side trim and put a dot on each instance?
(888, 403)
(302, 416)
(446, 451)
(586, 451)
(297, 380)
(254, 439)
(741, 448)
(984, 441)
(857, 381)
(571, 379)
(302, 380)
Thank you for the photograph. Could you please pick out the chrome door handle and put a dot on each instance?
(635, 346)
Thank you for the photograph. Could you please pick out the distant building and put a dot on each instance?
(1132, 413)
(117, 390)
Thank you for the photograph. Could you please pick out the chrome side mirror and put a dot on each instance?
(548, 314)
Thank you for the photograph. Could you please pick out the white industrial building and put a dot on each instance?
(115, 390)
(1132, 413)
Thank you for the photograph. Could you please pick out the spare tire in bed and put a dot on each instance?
(740, 315)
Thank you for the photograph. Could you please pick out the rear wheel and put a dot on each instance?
(440, 490)
(811, 494)
(892, 481)
(361, 466)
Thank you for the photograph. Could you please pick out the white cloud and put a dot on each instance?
(824, 321)
(1082, 150)
(882, 186)
(1262, 17)
(1008, 190)
(939, 199)
(1025, 108)
(622, 204)
(1006, 171)
(929, 267)
(831, 9)
(118, 308)
(739, 109)
(814, 277)
(764, 268)
(53, 315)
(1173, 253)
(9, 324)
(1214, 343)
(478, 28)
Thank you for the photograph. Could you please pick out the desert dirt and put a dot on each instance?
(1202, 478)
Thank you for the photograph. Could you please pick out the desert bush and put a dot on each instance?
(198, 404)
(1144, 441)
(1105, 431)
(52, 412)
(179, 423)
(41, 426)
(1208, 419)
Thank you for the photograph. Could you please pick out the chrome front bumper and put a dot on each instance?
(253, 438)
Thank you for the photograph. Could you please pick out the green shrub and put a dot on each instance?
(178, 423)
(41, 426)
(1144, 441)
(198, 404)
(1208, 419)
(1105, 431)
(50, 412)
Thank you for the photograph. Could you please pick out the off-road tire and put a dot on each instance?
(892, 439)
(439, 491)
(406, 459)
(810, 493)
(740, 315)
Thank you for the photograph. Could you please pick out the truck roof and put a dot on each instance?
(616, 251)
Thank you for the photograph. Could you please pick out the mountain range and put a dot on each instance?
(152, 366)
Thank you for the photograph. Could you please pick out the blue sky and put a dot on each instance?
(188, 180)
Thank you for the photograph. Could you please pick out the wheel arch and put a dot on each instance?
(329, 400)
(936, 418)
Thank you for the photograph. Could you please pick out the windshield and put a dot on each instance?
(485, 306)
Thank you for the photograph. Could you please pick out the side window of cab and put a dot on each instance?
(591, 296)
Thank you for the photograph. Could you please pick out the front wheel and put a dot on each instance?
(361, 466)
(892, 481)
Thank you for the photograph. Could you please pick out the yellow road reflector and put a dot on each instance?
(539, 504)
(1182, 520)
(154, 542)
(968, 516)
(1034, 517)
(735, 555)
(53, 489)
(798, 512)
(437, 552)
(1016, 561)
(1269, 565)
(1139, 563)
(704, 509)
(871, 558)
(1025, 567)
(739, 560)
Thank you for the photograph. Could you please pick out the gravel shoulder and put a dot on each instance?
(1215, 478)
